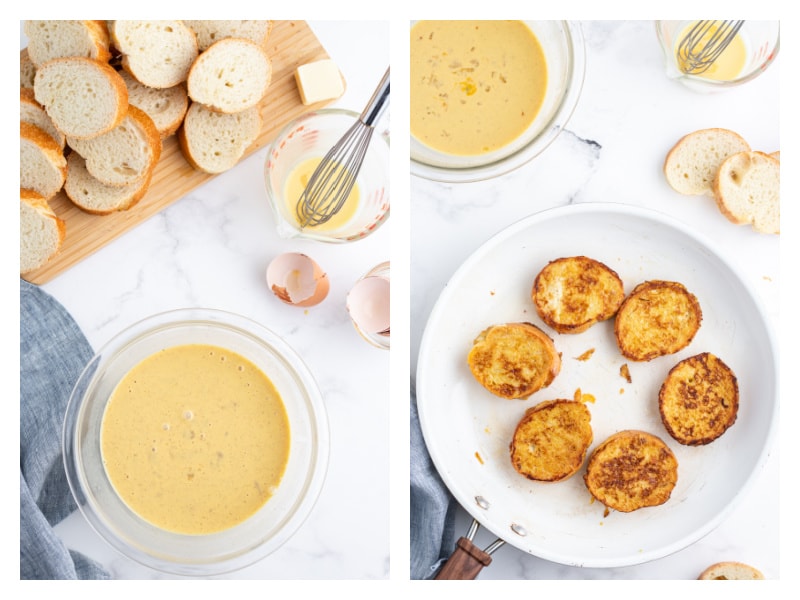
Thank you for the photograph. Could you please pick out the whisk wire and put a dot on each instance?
(704, 43)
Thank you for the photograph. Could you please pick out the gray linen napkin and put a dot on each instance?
(432, 508)
(53, 352)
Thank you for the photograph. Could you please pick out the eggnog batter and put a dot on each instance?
(297, 182)
(729, 64)
(195, 439)
(475, 85)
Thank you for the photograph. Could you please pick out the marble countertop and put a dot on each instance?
(612, 150)
(211, 249)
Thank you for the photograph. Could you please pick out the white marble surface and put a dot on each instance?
(612, 150)
(211, 249)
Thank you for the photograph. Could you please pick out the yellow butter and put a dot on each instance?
(319, 81)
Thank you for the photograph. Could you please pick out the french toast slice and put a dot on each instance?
(514, 360)
(573, 293)
(699, 399)
(657, 318)
(551, 440)
(631, 470)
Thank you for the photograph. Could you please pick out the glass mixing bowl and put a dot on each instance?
(563, 45)
(230, 549)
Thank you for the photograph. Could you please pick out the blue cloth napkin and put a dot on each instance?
(53, 352)
(432, 508)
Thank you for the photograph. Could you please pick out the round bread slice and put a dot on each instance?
(631, 470)
(84, 97)
(731, 570)
(208, 32)
(58, 39)
(27, 70)
(232, 75)
(747, 189)
(41, 231)
(166, 106)
(693, 162)
(551, 440)
(32, 112)
(124, 155)
(699, 399)
(158, 54)
(42, 166)
(214, 142)
(572, 294)
(657, 318)
(94, 196)
(514, 360)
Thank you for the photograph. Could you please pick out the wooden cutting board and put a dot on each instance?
(291, 44)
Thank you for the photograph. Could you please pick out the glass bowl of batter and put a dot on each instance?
(489, 96)
(196, 442)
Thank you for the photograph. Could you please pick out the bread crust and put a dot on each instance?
(630, 470)
(514, 360)
(573, 293)
(551, 440)
(699, 399)
(657, 318)
(46, 155)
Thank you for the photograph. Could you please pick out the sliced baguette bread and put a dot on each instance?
(232, 75)
(125, 154)
(95, 197)
(84, 97)
(42, 166)
(41, 231)
(747, 190)
(208, 32)
(732, 570)
(214, 142)
(27, 70)
(693, 162)
(30, 111)
(176, 47)
(166, 106)
(58, 39)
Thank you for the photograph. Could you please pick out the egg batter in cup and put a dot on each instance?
(291, 160)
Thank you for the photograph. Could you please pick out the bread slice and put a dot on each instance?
(214, 142)
(630, 470)
(514, 360)
(41, 231)
(30, 111)
(776, 154)
(208, 32)
(96, 197)
(232, 75)
(693, 162)
(657, 318)
(747, 190)
(166, 106)
(551, 440)
(124, 155)
(42, 166)
(157, 53)
(699, 399)
(84, 97)
(731, 570)
(27, 70)
(572, 294)
(58, 39)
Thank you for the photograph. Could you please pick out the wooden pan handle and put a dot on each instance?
(465, 563)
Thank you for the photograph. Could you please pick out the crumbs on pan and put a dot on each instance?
(586, 355)
(479, 457)
(625, 372)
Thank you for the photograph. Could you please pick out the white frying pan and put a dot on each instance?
(467, 430)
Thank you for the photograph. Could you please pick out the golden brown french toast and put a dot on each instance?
(657, 318)
(514, 360)
(573, 293)
(551, 440)
(699, 399)
(631, 470)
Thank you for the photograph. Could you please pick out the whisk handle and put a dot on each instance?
(377, 103)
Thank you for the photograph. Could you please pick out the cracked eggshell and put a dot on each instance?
(297, 279)
(368, 305)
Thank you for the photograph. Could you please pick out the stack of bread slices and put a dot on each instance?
(97, 99)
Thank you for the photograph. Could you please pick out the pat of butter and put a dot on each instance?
(319, 81)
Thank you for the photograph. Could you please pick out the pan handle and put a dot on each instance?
(468, 560)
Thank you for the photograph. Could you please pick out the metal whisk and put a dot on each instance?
(334, 178)
(704, 43)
